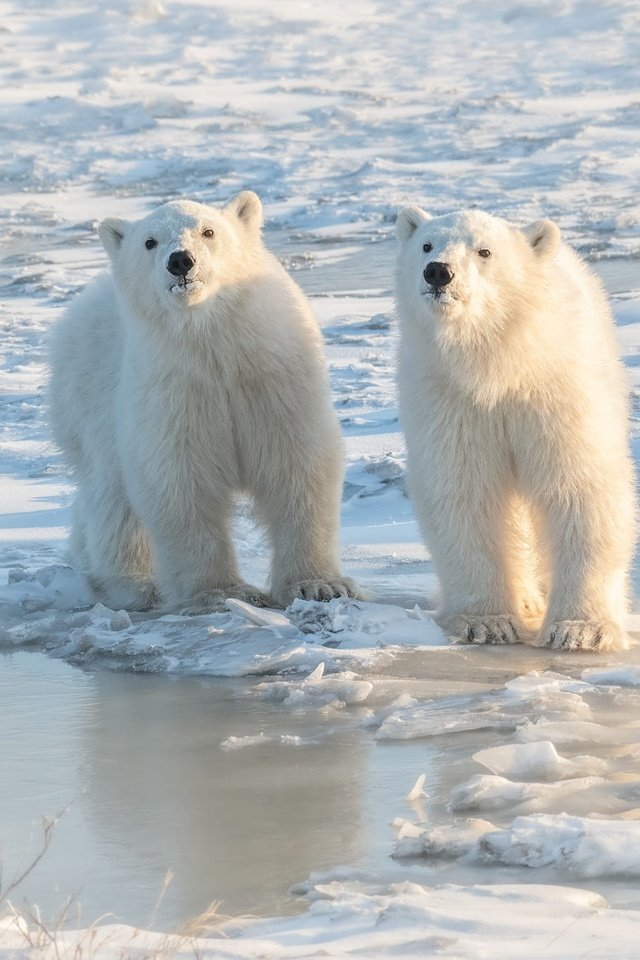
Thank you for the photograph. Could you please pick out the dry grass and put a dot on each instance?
(56, 940)
(48, 823)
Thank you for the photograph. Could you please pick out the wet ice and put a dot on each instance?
(112, 111)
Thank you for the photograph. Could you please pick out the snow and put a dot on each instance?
(406, 919)
(336, 114)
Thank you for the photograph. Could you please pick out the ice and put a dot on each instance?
(243, 641)
(449, 841)
(238, 743)
(572, 846)
(571, 731)
(577, 846)
(623, 676)
(417, 791)
(535, 684)
(408, 919)
(259, 739)
(484, 793)
(328, 112)
(357, 623)
(317, 690)
(532, 696)
(262, 617)
(451, 715)
(536, 761)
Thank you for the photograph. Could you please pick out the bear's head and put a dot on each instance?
(184, 254)
(469, 274)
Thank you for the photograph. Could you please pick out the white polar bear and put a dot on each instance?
(193, 372)
(514, 405)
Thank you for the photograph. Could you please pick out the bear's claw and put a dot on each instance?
(214, 600)
(583, 635)
(324, 588)
(481, 629)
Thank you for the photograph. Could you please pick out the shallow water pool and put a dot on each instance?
(133, 764)
(240, 798)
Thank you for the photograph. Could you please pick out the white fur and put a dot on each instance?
(169, 399)
(514, 405)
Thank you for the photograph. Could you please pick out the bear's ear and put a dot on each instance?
(247, 207)
(543, 237)
(409, 219)
(111, 231)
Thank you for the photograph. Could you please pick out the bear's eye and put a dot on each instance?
(151, 243)
(208, 233)
(484, 253)
(427, 247)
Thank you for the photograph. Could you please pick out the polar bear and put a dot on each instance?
(190, 373)
(514, 405)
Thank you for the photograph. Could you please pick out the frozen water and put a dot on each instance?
(534, 695)
(402, 919)
(622, 676)
(536, 761)
(489, 793)
(335, 114)
(582, 847)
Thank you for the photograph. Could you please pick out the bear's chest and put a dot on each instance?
(202, 414)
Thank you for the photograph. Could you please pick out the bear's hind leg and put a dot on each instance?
(111, 546)
(78, 537)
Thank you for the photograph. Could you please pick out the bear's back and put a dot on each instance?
(85, 356)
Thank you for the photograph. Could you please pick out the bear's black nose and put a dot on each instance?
(438, 274)
(180, 262)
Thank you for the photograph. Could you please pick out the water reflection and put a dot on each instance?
(240, 825)
(137, 761)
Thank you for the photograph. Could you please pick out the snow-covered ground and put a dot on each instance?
(336, 114)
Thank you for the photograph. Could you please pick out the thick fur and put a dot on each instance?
(514, 405)
(169, 398)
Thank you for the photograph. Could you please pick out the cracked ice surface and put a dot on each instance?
(520, 833)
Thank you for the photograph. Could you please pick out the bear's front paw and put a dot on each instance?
(249, 594)
(324, 588)
(208, 601)
(481, 629)
(600, 635)
(215, 600)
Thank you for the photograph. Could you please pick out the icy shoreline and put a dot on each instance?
(523, 821)
(406, 919)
